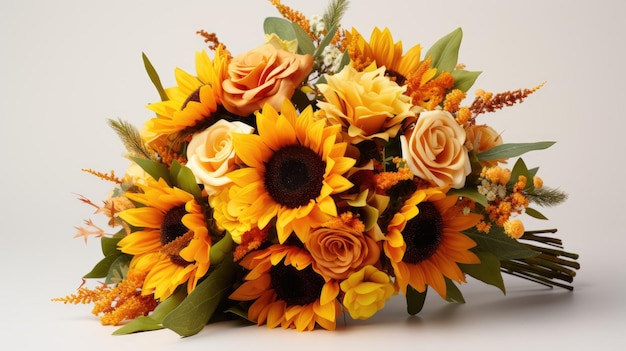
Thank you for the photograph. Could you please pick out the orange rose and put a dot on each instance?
(337, 252)
(435, 149)
(267, 74)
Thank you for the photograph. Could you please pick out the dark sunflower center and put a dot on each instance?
(296, 287)
(294, 176)
(194, 96)
(173, 228)
(423, 234)
(396, 76)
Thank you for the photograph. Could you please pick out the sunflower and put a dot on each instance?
(287, 291)
(382, 51)
(194, 98)
(291, 169)
(425, 244)
(173, 243)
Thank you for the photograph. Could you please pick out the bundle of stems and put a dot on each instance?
(552, 267)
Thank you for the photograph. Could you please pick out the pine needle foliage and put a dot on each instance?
(130, 137)
(334, 12)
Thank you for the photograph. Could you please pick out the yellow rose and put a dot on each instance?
(210, 153)
(435, 149)
(337, 252)
(367, 104)
(267, 74)
(366, 292)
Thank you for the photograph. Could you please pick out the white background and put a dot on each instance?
(67, 66)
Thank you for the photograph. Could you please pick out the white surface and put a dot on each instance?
(69, 65)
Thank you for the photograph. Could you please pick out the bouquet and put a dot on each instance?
(316, 175)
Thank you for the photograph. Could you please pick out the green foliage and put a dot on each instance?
(334, 12)
(119, 268)
(155, 320)
(185, 180)
(156, 170)
(487, 271)
(512, 150)
(281, 27)
(111, 254)
(470, 193)
(130, 137)
(154, 77)
(195, 311)
(305, 44)
(453, 294)
(463, 79)
(445, 52)
(500, 244)
(415, 300)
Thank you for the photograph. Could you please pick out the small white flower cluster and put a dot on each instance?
(491, 190)
(331, 56)
(317, 26)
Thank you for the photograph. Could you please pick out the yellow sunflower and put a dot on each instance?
(287, 292)
(382, 51)
(173, 243)
(291, 169)
(425, 244)
(194, 98)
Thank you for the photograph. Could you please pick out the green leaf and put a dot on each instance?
(155, 319)
(488, 271)
(109, 245)
(463, 80)
(535, 214)
(300, 100)
(139, 324)
(280, 27)
(324, 43)
(197, 309)
(101, 269)
(305, 44)
(186, 180)
(519, 169)
(239, 312)
(221, 249)
(118, 269)
(155, 169)
(110, 252)
(445, 52)
(470, 193)
(512, 150)
(415, 300)
(154, 77)
(453, 294)
(500, 244)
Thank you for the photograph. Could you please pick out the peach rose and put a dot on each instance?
(366, 292)
(337, 252)
(368, 104)
(267, 74)
(481, 138)
(210, 153)
(435, 149)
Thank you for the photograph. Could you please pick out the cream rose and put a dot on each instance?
(367, 104)
(267, 74)
(366, 292)
(338, 252)
(435, 149)
(210, 153)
